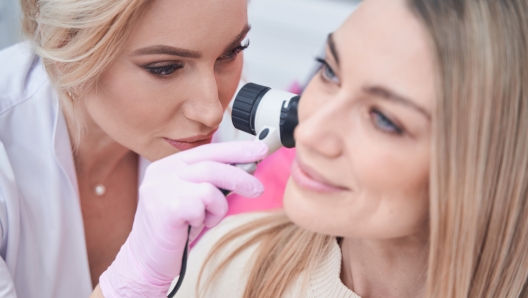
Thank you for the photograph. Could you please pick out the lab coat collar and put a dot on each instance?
(62, 145)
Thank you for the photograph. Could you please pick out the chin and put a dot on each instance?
(306, 212)
(158, 152)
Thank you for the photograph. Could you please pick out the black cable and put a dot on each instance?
(183, 267)
(184, 258)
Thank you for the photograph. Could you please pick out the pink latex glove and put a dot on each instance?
(178, 191)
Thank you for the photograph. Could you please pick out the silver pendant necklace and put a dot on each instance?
(99, 190)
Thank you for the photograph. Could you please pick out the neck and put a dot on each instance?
(96, 154)
(385, 268)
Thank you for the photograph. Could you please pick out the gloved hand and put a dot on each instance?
(176, 192)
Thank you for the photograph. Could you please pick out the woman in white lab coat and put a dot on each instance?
(99, 84)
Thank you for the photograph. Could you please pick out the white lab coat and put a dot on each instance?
(42, 243)
(42, 248)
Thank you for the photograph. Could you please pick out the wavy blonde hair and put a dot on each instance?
(479, 173)
(77, 40)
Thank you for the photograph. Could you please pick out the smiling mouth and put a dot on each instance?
(309, 179)
(191, 142)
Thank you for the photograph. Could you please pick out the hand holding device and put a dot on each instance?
(179, 191)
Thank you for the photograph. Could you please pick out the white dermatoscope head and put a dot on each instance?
(269, 114)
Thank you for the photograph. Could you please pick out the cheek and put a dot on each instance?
(228, 79)
(390, 176)
(131, 107)
(392, 192)
(311, 99)
(388, 197)
(132, 96)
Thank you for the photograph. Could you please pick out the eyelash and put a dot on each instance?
(231, 55)
(164, 70)
(380, 120)
(327, 73)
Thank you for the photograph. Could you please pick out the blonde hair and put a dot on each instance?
(284, 251)
(78, 39)
(479, 172)
(479, 177)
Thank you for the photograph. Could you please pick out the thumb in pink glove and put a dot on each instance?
(178, 191)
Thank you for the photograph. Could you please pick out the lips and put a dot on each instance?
(310, 179)
(191, 142)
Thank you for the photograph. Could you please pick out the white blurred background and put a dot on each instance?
(286, 37)
(9, 22)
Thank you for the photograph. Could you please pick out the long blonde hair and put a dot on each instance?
(479, 173)
(77, 40)
(479, 177)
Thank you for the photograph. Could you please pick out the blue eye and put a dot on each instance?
(164, 70)
(327, 73)
(385, 124)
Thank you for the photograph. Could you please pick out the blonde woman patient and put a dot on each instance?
(100, 89)
(411, 176)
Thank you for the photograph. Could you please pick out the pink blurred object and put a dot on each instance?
(273, 172)
(295, 88)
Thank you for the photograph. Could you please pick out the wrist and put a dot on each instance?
(124, 278)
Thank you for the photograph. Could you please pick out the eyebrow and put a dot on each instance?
(385, 93)
(173, 51)
(332, 46)
(167, 50)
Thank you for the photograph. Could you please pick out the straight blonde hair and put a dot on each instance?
(479, 172)
(479, 177)
(77, 40)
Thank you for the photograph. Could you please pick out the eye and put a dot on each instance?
(384, 124)
(327, 73)
(164, 70)
(232, 54)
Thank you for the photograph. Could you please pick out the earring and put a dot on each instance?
(70, 94)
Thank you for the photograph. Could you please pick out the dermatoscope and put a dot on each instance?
(268, 114)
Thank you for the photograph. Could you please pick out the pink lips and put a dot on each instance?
(189, 143)
(310, 180)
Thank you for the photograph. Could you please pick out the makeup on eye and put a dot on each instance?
(384, 123)
(163, 69)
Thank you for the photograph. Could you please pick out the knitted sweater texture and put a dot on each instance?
(324, 281)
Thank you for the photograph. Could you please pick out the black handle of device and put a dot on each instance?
(183, 266)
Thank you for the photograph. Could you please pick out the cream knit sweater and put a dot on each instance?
(323, 282)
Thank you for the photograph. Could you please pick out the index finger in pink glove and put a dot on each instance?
(231, 152)
(223, 176)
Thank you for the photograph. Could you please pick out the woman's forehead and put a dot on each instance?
(383, 43)
(191, 24)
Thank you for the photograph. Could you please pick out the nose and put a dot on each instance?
(319, 131)
(203, 105)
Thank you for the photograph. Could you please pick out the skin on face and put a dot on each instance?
(175, 77)
(365, 129)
